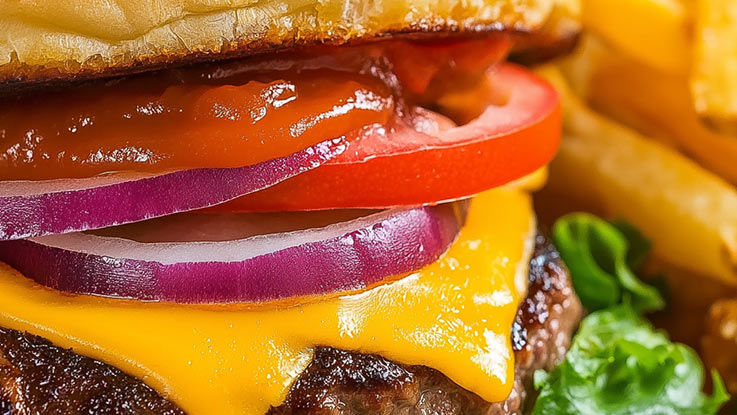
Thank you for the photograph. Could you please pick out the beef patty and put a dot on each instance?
(37, 377)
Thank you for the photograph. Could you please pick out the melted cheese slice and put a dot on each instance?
(453, 315)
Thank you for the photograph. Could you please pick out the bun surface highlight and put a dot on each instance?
(44, 40)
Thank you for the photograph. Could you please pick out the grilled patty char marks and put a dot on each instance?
(37, 377)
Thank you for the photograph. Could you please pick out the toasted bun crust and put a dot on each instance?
(43, 40)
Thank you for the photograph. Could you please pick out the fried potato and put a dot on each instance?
(689, 213)
(656, 32)
(614, 84)
(714, 73)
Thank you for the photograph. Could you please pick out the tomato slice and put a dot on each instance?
(404, 166)
(230, 114)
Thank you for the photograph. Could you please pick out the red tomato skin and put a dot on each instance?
(406, 180)
(425, 176)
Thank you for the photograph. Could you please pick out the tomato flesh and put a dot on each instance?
(405, 167)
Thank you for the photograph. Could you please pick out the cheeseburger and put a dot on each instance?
(251, 207)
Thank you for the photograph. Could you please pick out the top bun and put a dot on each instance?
(46, 40)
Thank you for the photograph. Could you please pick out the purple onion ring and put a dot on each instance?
(339, 257)
(29, 209)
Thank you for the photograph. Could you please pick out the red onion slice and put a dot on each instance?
(339, 257)
(29, 209)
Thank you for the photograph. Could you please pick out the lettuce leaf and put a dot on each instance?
(619, 365)
(601, 257)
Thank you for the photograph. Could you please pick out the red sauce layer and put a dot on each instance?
(229, 114)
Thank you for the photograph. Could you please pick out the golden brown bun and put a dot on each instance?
(61, 39)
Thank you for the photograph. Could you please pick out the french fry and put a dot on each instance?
(714, 73)
(656, 32)
(614, 84)
(689, 213)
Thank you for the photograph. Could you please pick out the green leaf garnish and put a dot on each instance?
(619, 365)
(600, 257)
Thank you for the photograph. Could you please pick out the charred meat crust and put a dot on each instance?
(37, 377)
